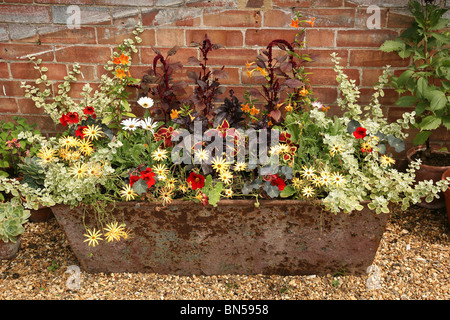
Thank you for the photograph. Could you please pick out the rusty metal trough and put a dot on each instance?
(285, 237)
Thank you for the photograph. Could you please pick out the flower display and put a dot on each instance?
(285, 148)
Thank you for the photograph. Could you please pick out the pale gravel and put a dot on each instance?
(412, 263)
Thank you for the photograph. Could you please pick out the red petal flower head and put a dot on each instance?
(360, 133)
(133, 179)
(148, 176)
(72, 118)
(197, 181)
(64, 120)
(79, 132)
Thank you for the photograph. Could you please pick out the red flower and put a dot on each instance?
(197, 181)
(63, 120)
(79, 132)
(360, 133)
(134, 179)
(89, 111)
(72, 118)
(275, 180)
(148, 176)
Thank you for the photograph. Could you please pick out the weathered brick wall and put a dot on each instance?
(244, 27)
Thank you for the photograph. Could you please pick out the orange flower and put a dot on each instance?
(245, 107)
(303, 92)
(123, 59)
(120, 73)
(174, 114)
(288, 108)
(311, 22)
(254, 111)
(294, 23)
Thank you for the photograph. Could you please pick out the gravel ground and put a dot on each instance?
(412, 263)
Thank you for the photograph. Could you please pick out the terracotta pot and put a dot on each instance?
(427, 172)
(9, 250)
(445, 175)
(286, 237)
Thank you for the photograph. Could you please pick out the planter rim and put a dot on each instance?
(445, 175)
(434, 149)
(224, 202)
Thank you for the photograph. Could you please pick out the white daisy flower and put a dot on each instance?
(148, 124)
(145, 102)
(130, 124)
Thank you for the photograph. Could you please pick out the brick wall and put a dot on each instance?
(244, 27)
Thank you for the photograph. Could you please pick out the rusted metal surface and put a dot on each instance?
(283, 237)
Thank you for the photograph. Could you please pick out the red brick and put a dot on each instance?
(327, 76)
(4, 73)
(262, 37)
(27, 106)
(83, 54)
(321, 38)
(376, 58)
(389, 98)
(148, 18)
(75, 88)
(233, 76)
(82, 35)
(170, 37)
(8, 105)
(326, 95)
(231, 57)
(399, 20)
(15, 51)
(113, 35)
(24, 14)
(338, 18)
(362, 15)
(65, 1)
(322, 58)
(277, 18)
(88, 72)
(227, 38)
(370, 76)
(307, 3)
(137, 3)
(26, 71)
(19, 1)
(182, 55)
(363, 38)
(233, 18)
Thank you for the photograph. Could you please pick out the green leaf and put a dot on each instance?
(406, 101)
(421, 137)
(352, 126)
(441, 37)
(392, 45)
(430, 123)
(287, 192)
(438, 101)
(140, 186)
(422, 85)
(446, 122)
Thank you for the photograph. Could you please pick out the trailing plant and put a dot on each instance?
(14, 149)
(426, 82)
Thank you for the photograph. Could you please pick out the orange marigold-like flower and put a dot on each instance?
(245, 107)
(254, 111)
(123, 59)
(294, 23)
(303, 92)
(311, 22)
(120, 73)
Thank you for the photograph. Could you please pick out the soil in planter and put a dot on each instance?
(434, 159)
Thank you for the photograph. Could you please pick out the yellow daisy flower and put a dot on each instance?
(165, 194)
(336, 149)
(46, 154)
(114, 232)
(159, 154)
(161, 171)
(78, 170)
(240, 166)
(67, 142)
(93, 237)
(386, 161)
(228, 193)
(338, 179)
(308, 191)
(86, 147)
(226, 176)
(92, 132)
(201, 154)
(308, 172)
(219, 164)
(128, 193)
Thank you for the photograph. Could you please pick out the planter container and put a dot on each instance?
(445, 175)
(427, 172)
(9, 250)
(41, 215)
(285, 237)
